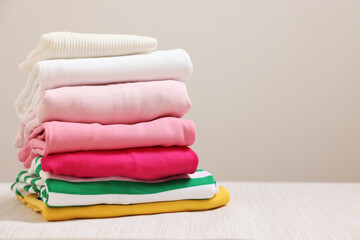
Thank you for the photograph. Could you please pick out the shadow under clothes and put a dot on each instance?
(11, 209)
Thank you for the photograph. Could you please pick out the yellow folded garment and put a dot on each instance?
(103, 211)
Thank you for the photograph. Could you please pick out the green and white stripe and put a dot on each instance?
(61, 190)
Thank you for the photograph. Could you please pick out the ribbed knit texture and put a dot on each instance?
(67, 45)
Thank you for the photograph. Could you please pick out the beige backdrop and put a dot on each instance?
(275, 88)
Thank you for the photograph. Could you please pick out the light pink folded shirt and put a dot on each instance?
(142, 163)
(50, 74)
(124, 103)
(59, 137)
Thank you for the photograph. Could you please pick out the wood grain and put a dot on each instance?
(256, 211)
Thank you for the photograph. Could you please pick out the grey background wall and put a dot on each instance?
(275, 88)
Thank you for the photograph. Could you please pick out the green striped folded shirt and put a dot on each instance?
(61, 191)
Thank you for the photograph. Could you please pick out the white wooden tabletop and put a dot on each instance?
(256, 211)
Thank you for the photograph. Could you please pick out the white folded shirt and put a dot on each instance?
(160, 65)
(68, 45)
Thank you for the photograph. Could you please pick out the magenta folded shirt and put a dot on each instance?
(143, 163)
(60, 137)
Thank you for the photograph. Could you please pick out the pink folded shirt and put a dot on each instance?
(60, 137)
(142, 163)
(108, 104)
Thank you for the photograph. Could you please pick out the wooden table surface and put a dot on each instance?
(256, 211)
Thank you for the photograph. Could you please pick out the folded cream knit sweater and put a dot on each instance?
(67, 45)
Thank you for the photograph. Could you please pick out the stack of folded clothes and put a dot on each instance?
(101, 133)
